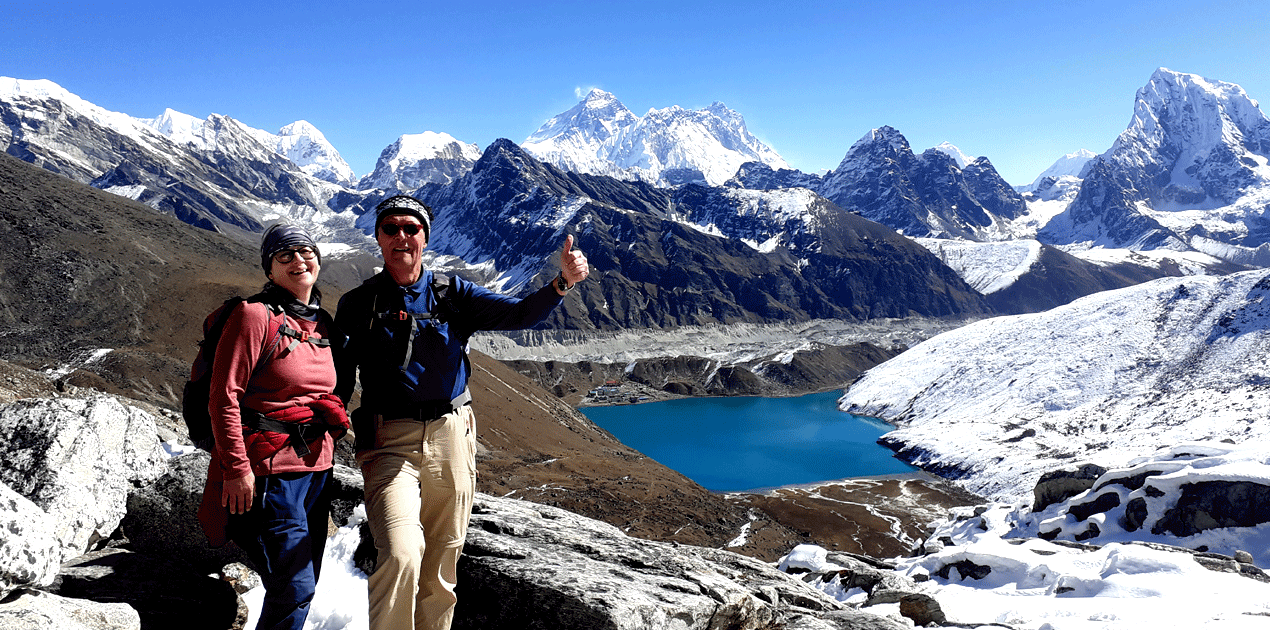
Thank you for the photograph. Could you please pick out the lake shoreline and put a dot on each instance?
(747, 443)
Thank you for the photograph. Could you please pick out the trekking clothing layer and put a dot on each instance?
(285, 536)
(420, 480)
(438, 368)
(292, 376)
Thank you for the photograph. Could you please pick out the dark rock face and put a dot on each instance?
(1105, 213)
(986, 187)
(919, 195)
(1060, 485)
(165, 592)
(1215, 504)
(651, 272)
(163, 517)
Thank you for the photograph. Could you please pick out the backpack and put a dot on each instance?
(197, 390)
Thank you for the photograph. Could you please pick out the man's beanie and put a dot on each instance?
(281, 236)
(403, 204)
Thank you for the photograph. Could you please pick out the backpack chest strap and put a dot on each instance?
(300, 336)
(403, 315)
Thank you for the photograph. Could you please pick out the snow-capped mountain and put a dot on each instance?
(1192, 163)
(422, 158)
(951, 150)
(1071, 165)
(216, 173)
(304, 145)
(691, 255)
(600, 136)
(299, 142)
(1105, 379)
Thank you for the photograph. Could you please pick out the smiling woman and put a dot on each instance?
(743, 443)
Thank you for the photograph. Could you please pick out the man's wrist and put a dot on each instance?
(562, 285)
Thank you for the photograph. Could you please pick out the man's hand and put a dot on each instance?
(238, 493)
(573, 266)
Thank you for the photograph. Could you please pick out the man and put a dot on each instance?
(416, 435)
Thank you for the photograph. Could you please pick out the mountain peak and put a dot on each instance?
(415, 159)
(302, 128)
(951, 150)
(33, 88)
(599, 97)
(600, 136)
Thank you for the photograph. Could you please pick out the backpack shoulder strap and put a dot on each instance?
(273, 334)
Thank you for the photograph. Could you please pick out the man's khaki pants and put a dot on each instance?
(419, 479)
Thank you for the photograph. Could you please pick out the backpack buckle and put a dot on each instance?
(402, 316)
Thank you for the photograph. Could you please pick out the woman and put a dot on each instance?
(273, 419)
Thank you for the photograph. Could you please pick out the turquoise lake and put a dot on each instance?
(744, 443)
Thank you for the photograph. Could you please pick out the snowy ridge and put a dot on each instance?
(1191, 263)
(43, 89)
(988, 267)
(1106, 378)
(300, 142)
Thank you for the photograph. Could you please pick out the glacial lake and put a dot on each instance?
(729, 444)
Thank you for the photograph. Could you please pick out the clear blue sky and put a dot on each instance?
(1020, 83)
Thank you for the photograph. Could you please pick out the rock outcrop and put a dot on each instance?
(34, 610)
(29, 553)
(77, 459)
(529, 565)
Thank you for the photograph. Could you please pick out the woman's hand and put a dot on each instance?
(238, 493)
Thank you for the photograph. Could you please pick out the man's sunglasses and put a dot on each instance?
(410, 229)
(287, 255)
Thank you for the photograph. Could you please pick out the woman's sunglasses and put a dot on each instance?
(287, 255)
(410, 229)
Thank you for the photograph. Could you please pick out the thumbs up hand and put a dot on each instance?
(573, 265)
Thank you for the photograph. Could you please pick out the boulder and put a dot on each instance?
(163, 590)
(347, 492)
(1216, 504)
(29, 552)
(533, 566)
(34, 610)
(77, 458)
(162, 517)
(1060, 485)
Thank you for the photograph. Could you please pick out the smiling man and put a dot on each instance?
(416, 435)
